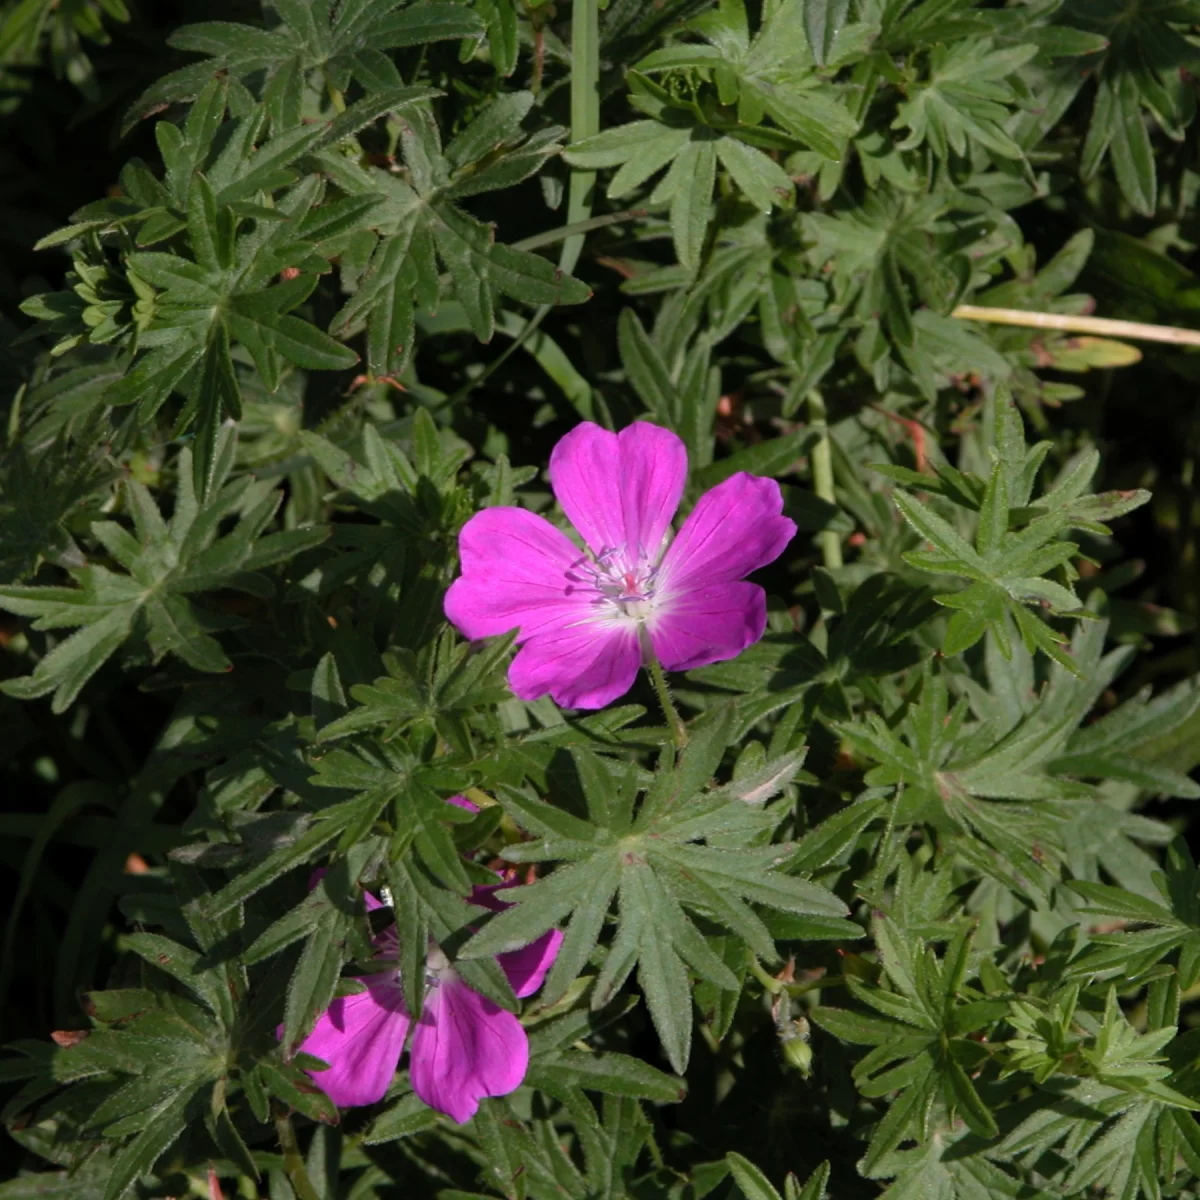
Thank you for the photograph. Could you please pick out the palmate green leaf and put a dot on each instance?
(692, 149)
(1124, 744)
(1117, 1158)
(559, 1067)
(879, 251)
(966, 99)
(163, 563)
(990, 782)
(346, 43)
(684, 398)
(425, 910)
(1018, 542)
(612, 1074)
(185, 964)
(771, 74)
(422, 223)
(41, 497)
(523, 1159)
(1111, 1137)
(1175, 922)
(402, 565)
(1121, 1057)
(823, 21)
(939, 1170)
(753, 1183)
(646, 369)
(336, 934)
(436, 691)
(381, 475)
(921, 1040)
(528, 1160)
(189, 312)
(169, 1120)
(657, 869)
(148, 1062)
(1137, 78)
(390, 786)
(1041, 722)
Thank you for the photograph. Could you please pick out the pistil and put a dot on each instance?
(626, 589)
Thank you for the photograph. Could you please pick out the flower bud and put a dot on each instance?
(793, 1040)
(799, 1054)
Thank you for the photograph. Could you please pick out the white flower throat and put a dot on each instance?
(620, 585)
(437, 965)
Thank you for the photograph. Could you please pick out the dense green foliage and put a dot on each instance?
(914, 911)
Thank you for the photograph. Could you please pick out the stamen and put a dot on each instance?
(620, 584)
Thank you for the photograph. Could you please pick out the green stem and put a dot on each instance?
(777, 986)
(769, 982)
(585, 117)
(14, 417)
(293, 1160)
(659, 679)
(822, 469)
(564, 232)
(335, 96)
(585, 121)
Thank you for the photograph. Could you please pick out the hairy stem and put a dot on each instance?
(293, 1160)
(659, 678)
(822, 469)
(769, 982)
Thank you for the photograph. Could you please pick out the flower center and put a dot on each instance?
(617, 583)
(437, 966)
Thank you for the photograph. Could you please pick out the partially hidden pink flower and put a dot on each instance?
(581, 616)
(464, 1047)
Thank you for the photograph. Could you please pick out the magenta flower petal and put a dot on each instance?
(526, 968)
(361, 1037)
(465, 1048)
(514, 575)
(581, 664)
(733, 530)
(708, 625)
(484, 895)
(370, 902)
(620, 490)
(462, 802)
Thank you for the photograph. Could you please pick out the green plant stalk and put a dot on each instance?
(335, 96)
(658, 677)
(585, 117)
(822, 469)
(777, 986)
(293, 1161)
(585, 121)
(566, 232)
(769, 982)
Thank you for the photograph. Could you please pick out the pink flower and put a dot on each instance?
(464, 1047)
(582, 616)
